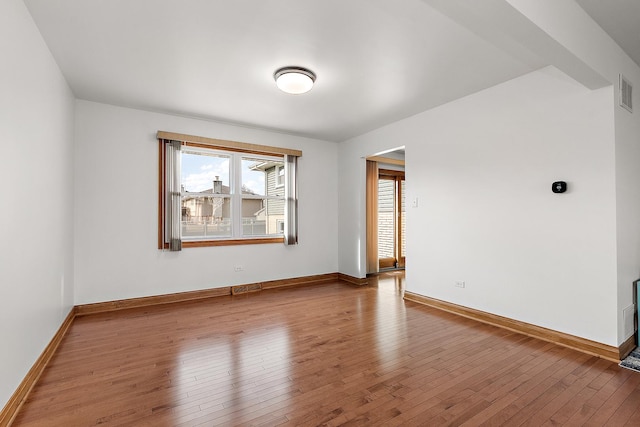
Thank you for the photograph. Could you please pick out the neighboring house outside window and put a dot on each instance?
(273, 211)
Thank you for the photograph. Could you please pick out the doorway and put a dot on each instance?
(385, 211)
(391, 219)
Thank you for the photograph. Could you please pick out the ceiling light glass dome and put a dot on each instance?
(294, 80)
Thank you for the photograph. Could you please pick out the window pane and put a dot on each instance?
(205, 172)
(261, 217)
(280, 175)
(386, 222)
(260, 176)
(206, 217)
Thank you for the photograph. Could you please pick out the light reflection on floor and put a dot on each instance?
(390, 282)
(257, 356)
(235, 369)
(390, 319)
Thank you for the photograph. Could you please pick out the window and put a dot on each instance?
(223, 192)
(262, 198)
(279, 176)
(205, 195)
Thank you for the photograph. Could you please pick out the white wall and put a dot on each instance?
(568, 24)
(36, 223)
(117, 209)
(628, 209)
(482, 169)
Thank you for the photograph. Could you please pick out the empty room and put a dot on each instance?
(297, 212)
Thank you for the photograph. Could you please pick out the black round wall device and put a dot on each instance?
(559, 187)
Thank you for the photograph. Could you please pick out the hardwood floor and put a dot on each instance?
(331, 354)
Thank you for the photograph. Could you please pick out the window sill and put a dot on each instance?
(229, 242)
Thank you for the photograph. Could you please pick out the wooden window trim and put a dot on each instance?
(211, 144)
(227, 242)
(161, 198)
(387, 262)
(199, 141)
(389, 174)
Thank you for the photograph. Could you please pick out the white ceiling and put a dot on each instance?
(620, 19)
(377, 61)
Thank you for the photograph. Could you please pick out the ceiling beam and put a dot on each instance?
(506, 27)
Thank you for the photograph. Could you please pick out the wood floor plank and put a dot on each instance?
(331, 354)
(566, 403)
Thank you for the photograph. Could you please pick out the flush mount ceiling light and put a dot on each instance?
(294, 80)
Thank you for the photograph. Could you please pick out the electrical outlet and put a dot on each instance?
(238, 268)
(460, 284)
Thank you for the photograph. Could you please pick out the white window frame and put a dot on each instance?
(236, 195)
(238, 179)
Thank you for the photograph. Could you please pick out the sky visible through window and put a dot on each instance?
(199, 171)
